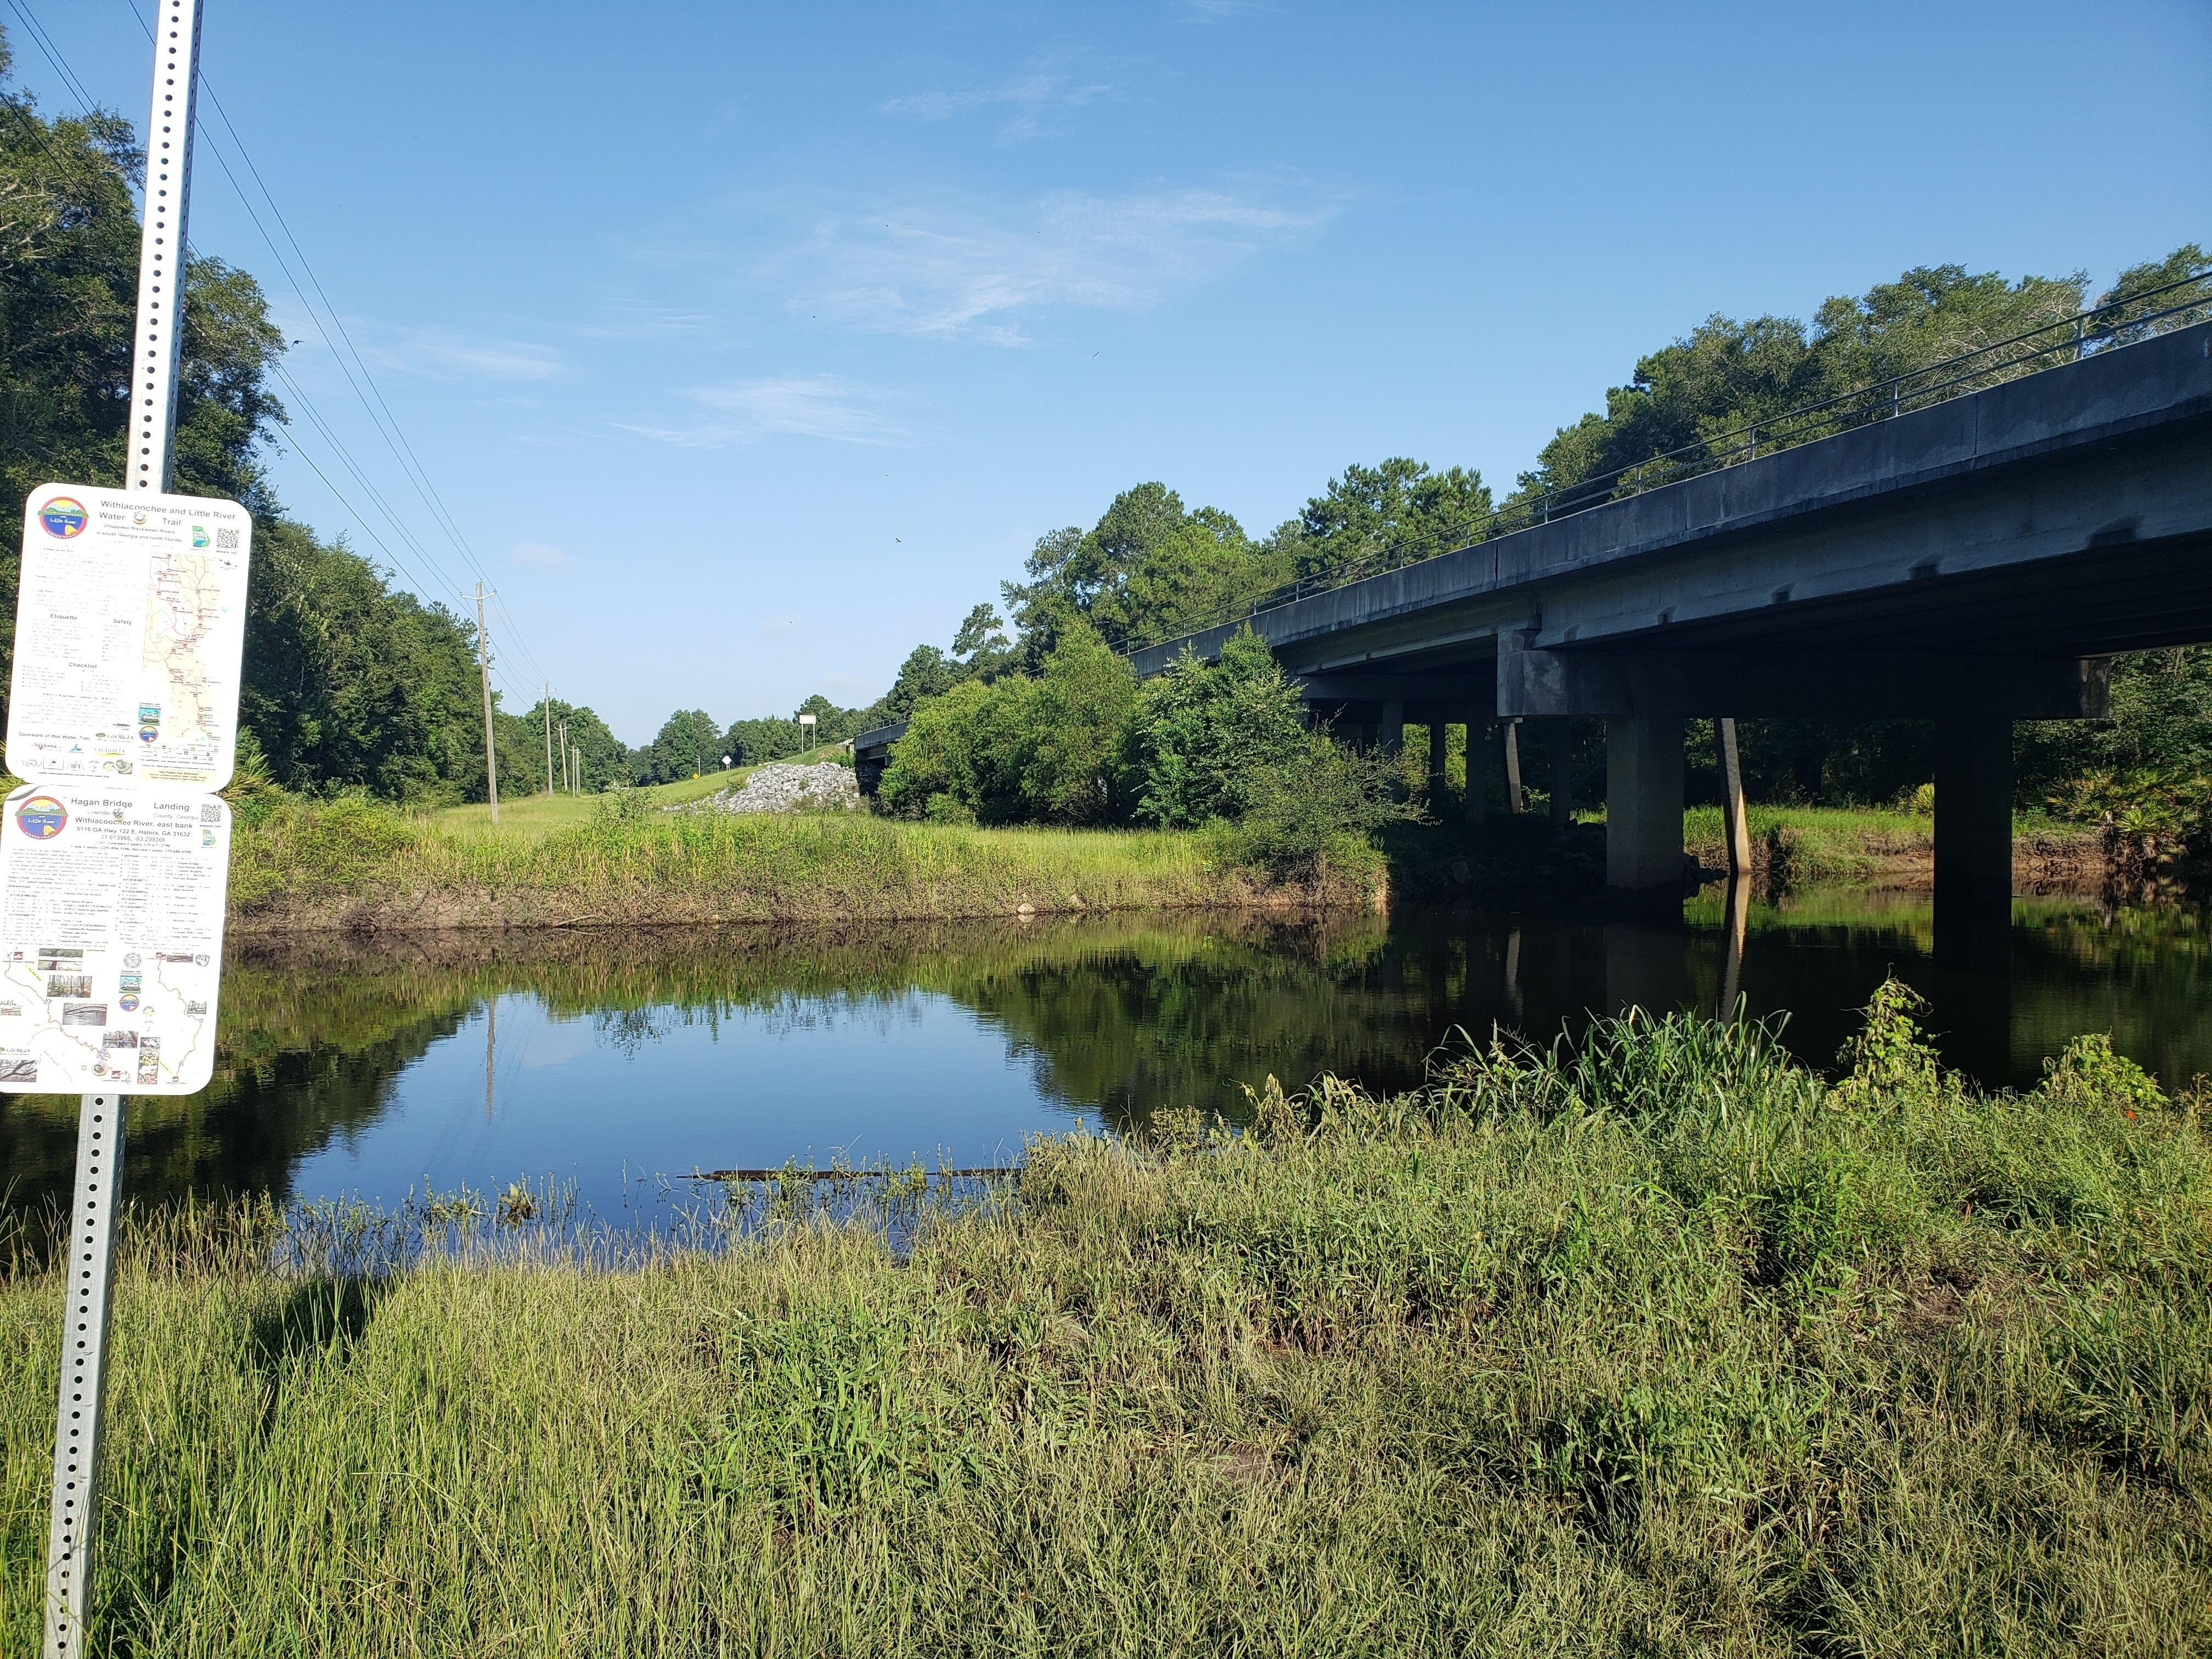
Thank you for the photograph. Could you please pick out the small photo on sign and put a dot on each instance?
(19, 1068)
(84, 1013)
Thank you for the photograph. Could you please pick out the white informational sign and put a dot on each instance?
(130, 627)
(111, 938)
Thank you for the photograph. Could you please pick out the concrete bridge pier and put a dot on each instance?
(1973, 842)
(1644, 807)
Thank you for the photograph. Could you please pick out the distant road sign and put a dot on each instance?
(111, 938)
(130, 628)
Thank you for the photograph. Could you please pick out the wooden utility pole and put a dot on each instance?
(1735, 817)
(548, 739)
(483, 668)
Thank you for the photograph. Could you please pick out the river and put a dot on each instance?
(617, 1064)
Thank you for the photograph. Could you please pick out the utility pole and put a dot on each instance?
(549, 737)
(564, 757)
(483, 668)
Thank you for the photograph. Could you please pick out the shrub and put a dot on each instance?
(1203, 733)
(1311, 818)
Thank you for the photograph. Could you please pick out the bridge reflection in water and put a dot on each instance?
(345, 1070)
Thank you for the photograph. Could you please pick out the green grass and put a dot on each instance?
(1668, 1349)
(353, 863)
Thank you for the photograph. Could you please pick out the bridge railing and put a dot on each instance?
(2105, 327)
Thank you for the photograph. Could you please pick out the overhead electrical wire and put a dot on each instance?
(359, 379)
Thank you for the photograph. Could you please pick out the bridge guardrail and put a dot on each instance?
(2105, 327)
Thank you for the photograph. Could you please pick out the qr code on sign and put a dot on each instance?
(211, 813)
(226, 538)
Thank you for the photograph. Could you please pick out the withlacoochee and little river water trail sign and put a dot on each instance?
(130, 629)
(115, 857)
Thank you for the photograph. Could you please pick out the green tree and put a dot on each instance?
(1376, 517)
(688, 742)
(346, 683)
(1202, 731)
(1075, 716)
(1148, 569)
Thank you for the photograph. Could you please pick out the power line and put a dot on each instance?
(379, 410)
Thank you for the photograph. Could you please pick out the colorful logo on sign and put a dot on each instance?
(149, 733)
(42, 818)
(128, 1004)
(63, 516)
(199, 536)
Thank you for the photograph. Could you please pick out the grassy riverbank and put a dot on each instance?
(1670, 1349)
(1796, 846)
(301, 864)
(357, 864)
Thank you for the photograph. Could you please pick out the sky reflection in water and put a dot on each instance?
(617, 1060)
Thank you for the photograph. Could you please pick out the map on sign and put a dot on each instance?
(129, 624)
(111, 938)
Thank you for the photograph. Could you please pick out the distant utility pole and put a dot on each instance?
(483, 668)
(549, 736)
(564, 758)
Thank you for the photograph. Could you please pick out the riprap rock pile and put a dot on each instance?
(781, 786)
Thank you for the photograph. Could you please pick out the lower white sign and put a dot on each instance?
(111, 938)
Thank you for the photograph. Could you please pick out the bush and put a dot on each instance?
(1312, 816)
(1202, 733)
(1020, 751)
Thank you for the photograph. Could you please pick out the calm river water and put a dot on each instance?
(619, 1062)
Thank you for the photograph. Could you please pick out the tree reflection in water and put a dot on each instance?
(1118, 1016)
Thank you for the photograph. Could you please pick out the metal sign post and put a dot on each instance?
(162, 247)
(148, 469)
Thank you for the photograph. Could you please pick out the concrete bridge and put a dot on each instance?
(1972, 564)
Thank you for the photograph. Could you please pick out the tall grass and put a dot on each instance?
(1664, 1346)
(357, 863)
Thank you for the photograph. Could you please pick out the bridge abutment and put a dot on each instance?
(1644, 804)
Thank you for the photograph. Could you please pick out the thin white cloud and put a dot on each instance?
(807, 406)
(1030, 96)
(953, 272)
(448, 355)
(539, 556)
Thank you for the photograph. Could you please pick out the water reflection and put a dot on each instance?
(347, 1069)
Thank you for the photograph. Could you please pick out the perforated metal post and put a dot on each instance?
(84, 1365)
(161, 247)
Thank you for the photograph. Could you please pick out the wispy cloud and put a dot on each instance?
(538, 556)
(954, 272)
(809, 406)
(448, 355)
(1031, 97)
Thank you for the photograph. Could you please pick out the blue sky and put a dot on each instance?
(747, 346)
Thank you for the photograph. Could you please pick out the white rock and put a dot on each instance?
(782, 786)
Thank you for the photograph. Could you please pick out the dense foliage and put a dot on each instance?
(1222, 744)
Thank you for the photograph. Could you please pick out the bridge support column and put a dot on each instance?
(1644, 805)
(1973, 842)
(1435, 790)
(1392, 743)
